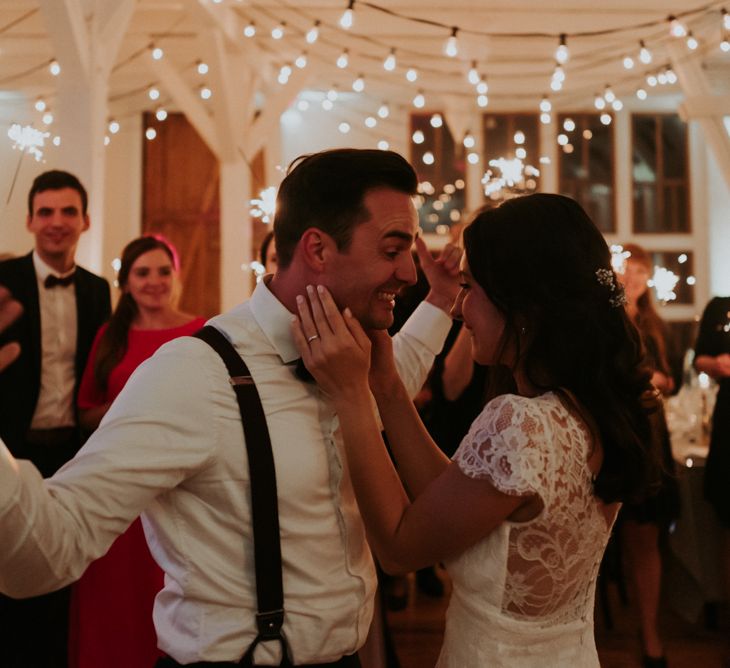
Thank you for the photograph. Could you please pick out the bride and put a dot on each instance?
(522, 513)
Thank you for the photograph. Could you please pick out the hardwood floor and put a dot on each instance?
(417, 631)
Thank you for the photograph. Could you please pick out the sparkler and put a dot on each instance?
(264, 206)
(27, 140)
(515, 178)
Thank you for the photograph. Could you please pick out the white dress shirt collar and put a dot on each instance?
(275, 321)
(43, 270)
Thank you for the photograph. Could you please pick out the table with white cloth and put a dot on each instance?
(693, 565)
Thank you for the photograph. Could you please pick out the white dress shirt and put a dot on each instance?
(55, 407)
(172, 445)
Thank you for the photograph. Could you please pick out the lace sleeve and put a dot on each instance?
(506, 445)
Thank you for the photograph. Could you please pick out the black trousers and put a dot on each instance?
(350, 661)
(34, 631)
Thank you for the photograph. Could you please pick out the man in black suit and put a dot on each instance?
(63, 307)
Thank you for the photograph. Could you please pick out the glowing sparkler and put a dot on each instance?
(664, 282)
(28, 139)
(265, 205)
(515, 177)
(618, 258)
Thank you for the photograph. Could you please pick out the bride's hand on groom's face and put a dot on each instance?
(333, 345)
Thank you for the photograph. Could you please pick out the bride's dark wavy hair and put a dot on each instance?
(536, 258)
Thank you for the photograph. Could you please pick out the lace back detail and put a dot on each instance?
(535, 446)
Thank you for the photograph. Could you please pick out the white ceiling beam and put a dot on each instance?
(701, 106)
(67, 28)
(114, 18)
(276, 104)
(187, 102)
(694, 83)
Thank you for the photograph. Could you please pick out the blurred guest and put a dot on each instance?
(642, 525)
(63, 307)
(712, 356)
(111, 609)
(268, 253)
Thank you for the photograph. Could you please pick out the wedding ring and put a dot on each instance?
(311, 338)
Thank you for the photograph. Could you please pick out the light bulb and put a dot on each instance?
(371, 121)
(113, 126)
(628, 62)
(473, 76)
(436, 121)
(390, 62)
(419, 101)
(451, 48)
(384, 111)
(249, 30)
(561, 53)
(644, 53)
(676, 28)
(313, 33)
(343, 60)
(347, 18)
(54, 68)
(157, 53)
(359, 84)
(160, 114)
(412, 74)
(278, 31)
(545, 105)
(692, 42)
(301, 61)
(418, 137)
(153, 93)
(40, 105)
(641, 93)
(202, 67)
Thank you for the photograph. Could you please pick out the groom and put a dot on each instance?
(171, 446)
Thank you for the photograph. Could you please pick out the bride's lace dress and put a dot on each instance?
(523, 596)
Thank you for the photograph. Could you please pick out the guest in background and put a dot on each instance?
(712, 356)
(268, 253)
(63, 307)
(111, 609)
(643, 525)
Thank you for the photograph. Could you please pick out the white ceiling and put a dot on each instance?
(513, 43)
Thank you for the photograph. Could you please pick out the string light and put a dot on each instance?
(545, 118)
(359, 84)
(561, 53)
(725, 19)
(384, 110)
(436, 121)
(451, 48)
(313, 33)
(160, 114)
(692, 42)
(428, 158)
(206, 93)
(371, 121)
(277, 32)
(113, 126)
(420, 100)
(473, 76)
(383, 145)
(628, 63)
(545, 105)
(301, 60)
(54, 68)
(40, 104)
(676, 28)
(153, 93)
(157, 53)
(608, 94)
(412, 74)
(641, 94)
(644, 53)
(390, 62)
(249, 30)
(725, 44)
(482, 100)
(469, 140)
(344, 127)
(418, 137)
(606, 119)
(201, 67)
(347, 18)
(599, 102)
(343, 60)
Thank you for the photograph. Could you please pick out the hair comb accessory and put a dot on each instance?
(607, 278)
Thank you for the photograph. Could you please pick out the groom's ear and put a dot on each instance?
(318, 248)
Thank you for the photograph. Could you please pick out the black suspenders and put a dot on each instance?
(264, 506)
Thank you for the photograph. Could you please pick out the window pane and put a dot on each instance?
(586, 166)
(660, 173)
(439, 163)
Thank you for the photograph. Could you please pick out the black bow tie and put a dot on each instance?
(301, 372)
(52, 281)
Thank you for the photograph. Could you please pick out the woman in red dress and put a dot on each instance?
(111, 607)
